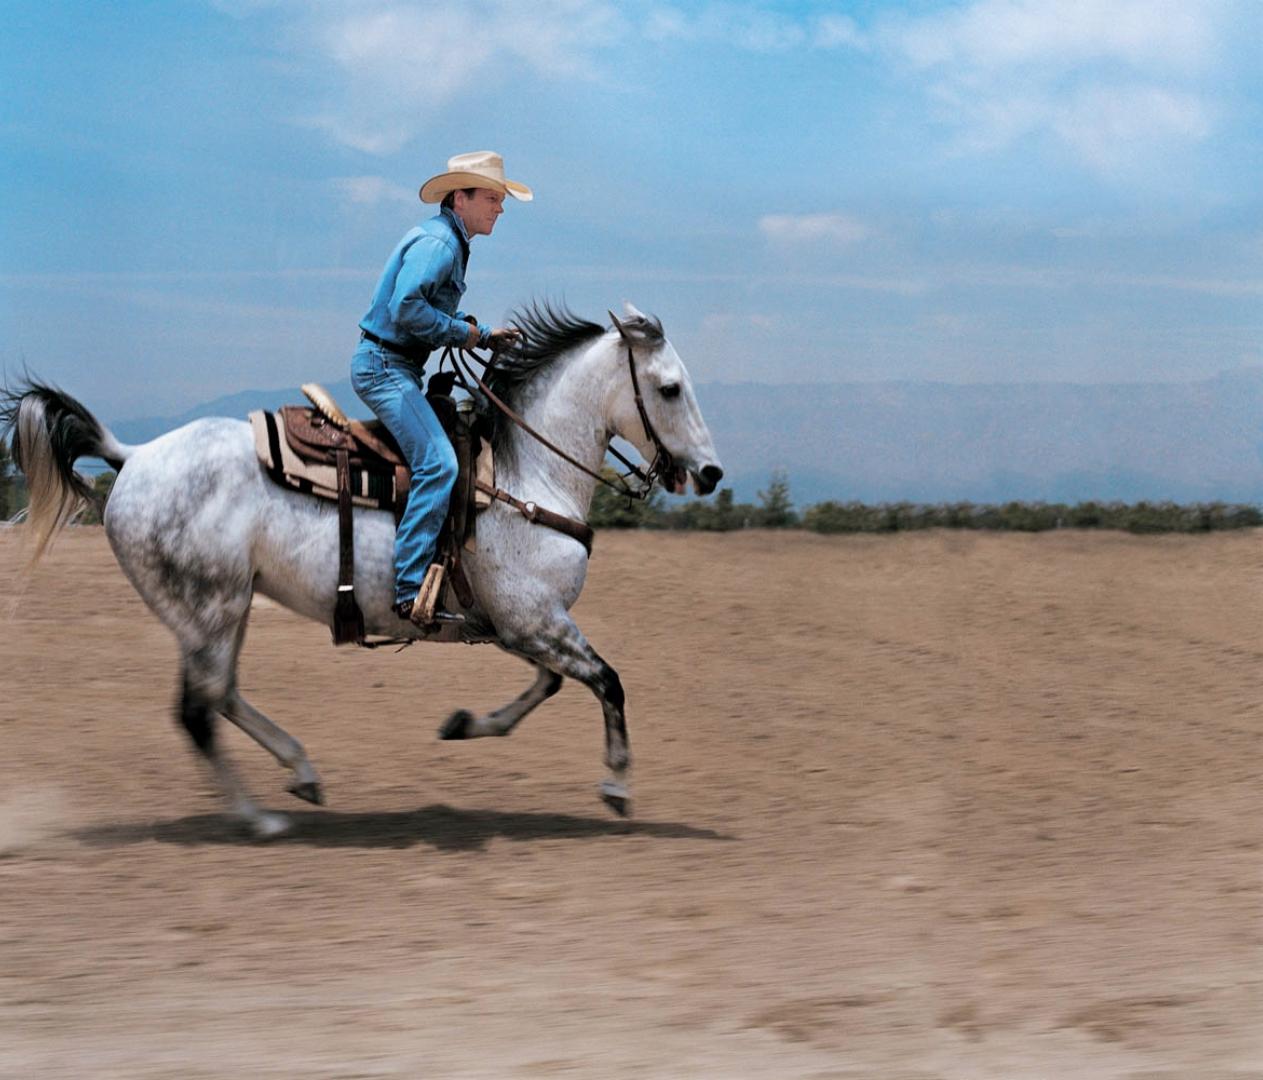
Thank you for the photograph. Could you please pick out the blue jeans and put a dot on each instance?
(392, 389)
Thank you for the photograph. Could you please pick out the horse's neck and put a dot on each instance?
(568, 406)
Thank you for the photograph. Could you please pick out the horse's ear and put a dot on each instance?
(633, 312)
(638, 329)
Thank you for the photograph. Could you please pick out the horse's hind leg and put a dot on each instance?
(182, 525)
(207, 683)
(463, 724)
(279, 743)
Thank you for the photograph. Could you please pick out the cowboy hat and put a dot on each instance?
(481, 169)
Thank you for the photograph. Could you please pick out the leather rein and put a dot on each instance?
(460, 358)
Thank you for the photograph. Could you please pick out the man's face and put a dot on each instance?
(479, 210)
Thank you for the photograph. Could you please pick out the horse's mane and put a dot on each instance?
(548, 331)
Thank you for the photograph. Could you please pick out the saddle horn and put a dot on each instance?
(326, 406)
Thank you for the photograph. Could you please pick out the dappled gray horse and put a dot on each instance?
(198, 528)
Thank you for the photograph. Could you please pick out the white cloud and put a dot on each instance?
(729, 322)
(347, 130)
(753, 27)
(998, 34)
(835, 229)
(1017, 276)
(1115, 82)
(1109, 126)
(395, 64)
(834, 31)
(372, 190)
(1210, 286)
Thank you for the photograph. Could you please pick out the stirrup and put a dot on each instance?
(424, 611)
(403, 610)
(427, 601)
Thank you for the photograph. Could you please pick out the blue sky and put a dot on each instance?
(198, 196)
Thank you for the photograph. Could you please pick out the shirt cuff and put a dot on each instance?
(484, 335)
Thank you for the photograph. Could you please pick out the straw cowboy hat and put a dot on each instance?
(481, 169)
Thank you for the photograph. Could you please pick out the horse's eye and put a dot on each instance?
(671, 390)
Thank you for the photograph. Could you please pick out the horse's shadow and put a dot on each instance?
(442, 827)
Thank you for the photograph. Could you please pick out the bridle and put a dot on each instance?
(662, 462)
(461, 361)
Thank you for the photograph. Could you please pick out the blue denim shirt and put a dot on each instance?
(416, 303)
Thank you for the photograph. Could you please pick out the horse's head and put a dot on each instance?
(657, 411)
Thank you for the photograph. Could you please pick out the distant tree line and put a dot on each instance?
(12, 490)
(13, 493)
(774, 509)
(102, 485)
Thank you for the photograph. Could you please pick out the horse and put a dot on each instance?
(198, 528)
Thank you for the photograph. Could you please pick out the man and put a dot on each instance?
(415, 310)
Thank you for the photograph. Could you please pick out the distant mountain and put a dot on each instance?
(939, 442)
(238, 405)
(933, 442)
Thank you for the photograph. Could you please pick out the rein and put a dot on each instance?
(460, 360)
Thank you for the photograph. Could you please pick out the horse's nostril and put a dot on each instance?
(712, 474)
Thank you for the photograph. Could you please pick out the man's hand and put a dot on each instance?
(504, 337)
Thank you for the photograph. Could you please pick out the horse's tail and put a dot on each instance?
(50, 432)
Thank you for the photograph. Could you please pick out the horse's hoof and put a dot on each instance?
(267, 826)
(616, 798)
(456, 726)
(309, 791)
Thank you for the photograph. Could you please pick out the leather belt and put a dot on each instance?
(412, 357)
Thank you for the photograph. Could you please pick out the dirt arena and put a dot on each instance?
(934, 806)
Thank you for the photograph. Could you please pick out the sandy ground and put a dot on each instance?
(935, 806)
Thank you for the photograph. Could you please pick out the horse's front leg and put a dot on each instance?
(463, 724)
(560, 647)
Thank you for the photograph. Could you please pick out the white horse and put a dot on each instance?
(198, 528)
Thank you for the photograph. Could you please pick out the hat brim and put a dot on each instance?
(436, 187)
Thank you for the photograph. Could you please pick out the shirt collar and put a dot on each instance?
(457, 224)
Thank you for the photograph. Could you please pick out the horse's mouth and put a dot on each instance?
(705, 480)
(675, 478)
